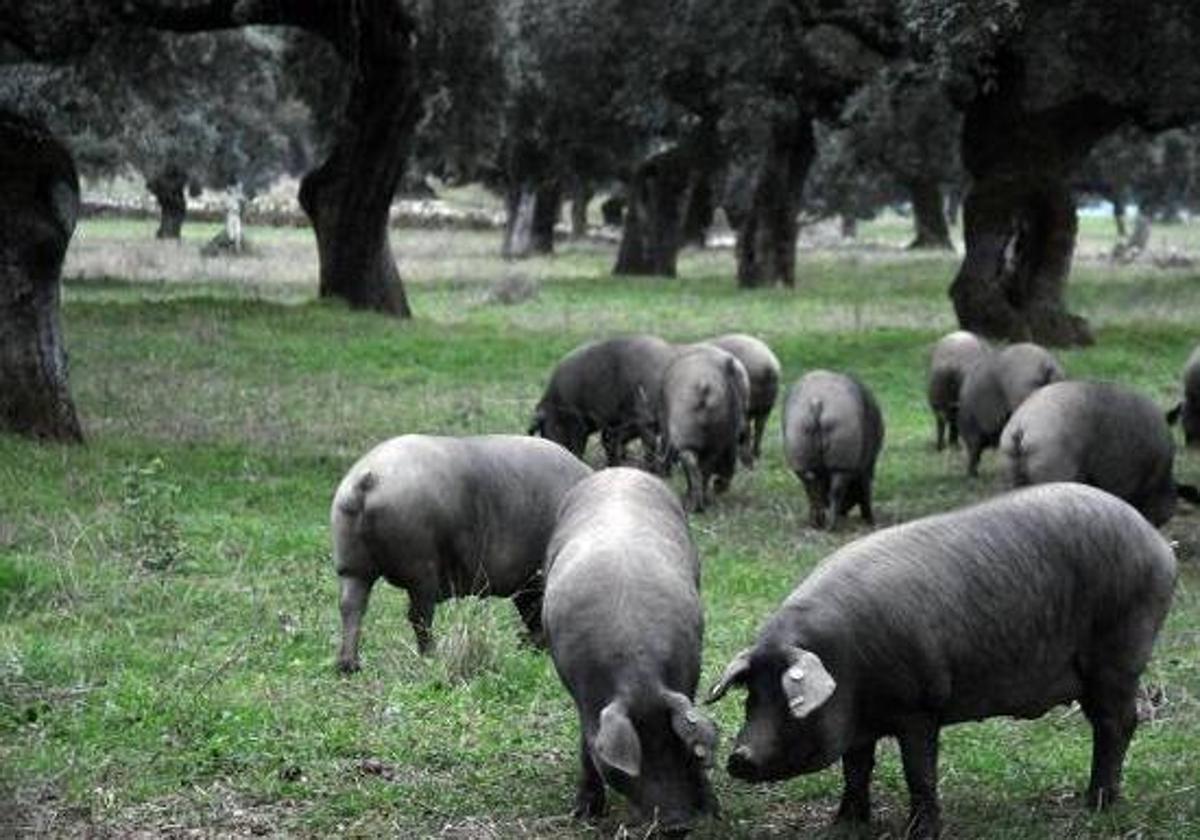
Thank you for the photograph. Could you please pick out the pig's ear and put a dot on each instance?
(694, 729)
(735, 673)
(617, 743)
(806, 683)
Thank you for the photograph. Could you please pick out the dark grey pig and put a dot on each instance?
(951, 358)
(443, 517)
(1100, 434)
(609, 387)
(1038, 597)
(762, 367)
(1187, 412)
(994, 388)
(832, 434)
(625, 624)
(702, 416)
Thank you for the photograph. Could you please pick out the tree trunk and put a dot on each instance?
(766, 246)
(698, 217)
(849, 226)
(168, 188)
(928, 216)
(348, 197)
(651, 238)
(520, 203)
(581, 197)
(1019, 222)
(1020, 239)
(547, 208)
(39, 203)
(1118, 206)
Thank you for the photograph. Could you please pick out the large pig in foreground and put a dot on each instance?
(763, 369)
(952, 356)
(1100, 434)
(1038, 597)
(1187, 412)
(609, 387)
(832, 434)
(625, 623)
(994, 388)
(443, 517)
(702, 406)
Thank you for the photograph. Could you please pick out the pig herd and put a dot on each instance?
(1042, 596)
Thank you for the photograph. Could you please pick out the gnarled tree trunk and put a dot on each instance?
(581, 197)
(531, 214)
(547, 208)
(929, 216)
(349, 196)
(1019, 222)
(766, 245)
(39, 202)
(701, 207)
(652, 235)
(168, 187)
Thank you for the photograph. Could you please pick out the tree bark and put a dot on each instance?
(929, 216)
(698, 217)
(651, 237)
(518, 223)
(349, 196)
(849, 226)
(1019, 222)
(168, 188)
(766, 246)
(39, 203)
(547, 208)
(581, 197)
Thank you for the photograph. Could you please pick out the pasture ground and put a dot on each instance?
(168, 610)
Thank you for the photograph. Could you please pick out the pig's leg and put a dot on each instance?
(1110, 706)
(815, 489)
(420, 615)
(919, 754)
(857, 766)
(589, 799)
(974, 449)
(760, 426)
(941, 432)
(864, 501)
(952, 423)
(840, 486)
(529, 605)
(614, 449)
(695, 481)
(355, 593)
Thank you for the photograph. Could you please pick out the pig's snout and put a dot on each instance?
(742, 765)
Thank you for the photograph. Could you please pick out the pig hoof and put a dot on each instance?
(721, 484)
(588, 806)
(348, 666)
(1100, 798)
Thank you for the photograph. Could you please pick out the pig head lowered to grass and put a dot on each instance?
(763, 369)
(832, 434)
(1100, 434)
(702, 417)
(1187, 411)
(992, 390)
(949, 361)
(1042, 596)
(442, 517)
(624, 622)
(609, 387)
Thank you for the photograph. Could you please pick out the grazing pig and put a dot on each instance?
(832, 434)
(606, 386)
(1038, 597)
(951, 358)
(762, 366)
(702, 405)
(625, 623)
(1099, 434)
(442, 517)
(994, 388)
(1187, 411)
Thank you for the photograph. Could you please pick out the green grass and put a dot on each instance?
(168, 611)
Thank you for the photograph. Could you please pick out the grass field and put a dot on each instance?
(168, 609)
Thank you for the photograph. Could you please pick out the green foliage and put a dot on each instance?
(150, 530)
(960, 40)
